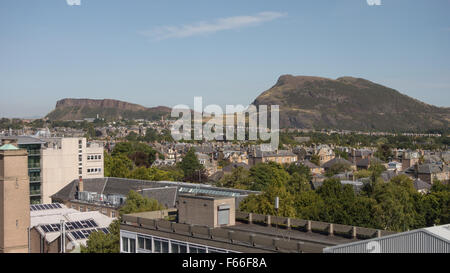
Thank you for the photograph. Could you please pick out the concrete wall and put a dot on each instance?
(216, 237)
(14, 201)
(202, 211)
(312, 226)
(108, 211)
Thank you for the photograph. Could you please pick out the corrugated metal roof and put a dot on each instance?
(426, 240)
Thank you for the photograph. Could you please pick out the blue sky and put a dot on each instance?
(166, 52)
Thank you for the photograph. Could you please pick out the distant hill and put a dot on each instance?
(350, 104)
(77, 109)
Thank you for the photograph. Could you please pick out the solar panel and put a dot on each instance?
(75, 235)
(45, 206)
(94, 224)
(105, 230)
(80, 234)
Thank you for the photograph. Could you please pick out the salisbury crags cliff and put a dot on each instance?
(75, 109)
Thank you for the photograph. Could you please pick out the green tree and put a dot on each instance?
(238, 179)
(99, 242)
(192, 169)
(118, 166)
(138, 203)
(337, 168)
(315, 159)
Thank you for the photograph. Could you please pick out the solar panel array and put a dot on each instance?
(83, 224)
(45, 206)
(84, 233)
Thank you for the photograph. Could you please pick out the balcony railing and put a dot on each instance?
(34, 166)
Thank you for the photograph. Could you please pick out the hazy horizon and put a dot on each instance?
(155, 54)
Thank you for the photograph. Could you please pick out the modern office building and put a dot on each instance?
(55, 162)
(66, 159)
(425, 240)
(210, 224)
(14, 199)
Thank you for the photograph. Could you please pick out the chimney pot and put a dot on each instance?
(80, 185)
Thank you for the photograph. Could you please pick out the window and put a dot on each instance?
(128, 245)
(99, 157)
(215, 250)
(80, 170)
(197, 249)
(161, 245)
(145, 243)
(178, 247)
(124, 244)
(80, 158)
(113, 214)
(141, 242)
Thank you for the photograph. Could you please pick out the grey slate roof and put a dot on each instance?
(432, 168)
(421, 185)
(166, 196)
(259, 153)
(365, 162)
(334, 161)
(388, 175)
(24, 140)
(163, 190)
(232, 166)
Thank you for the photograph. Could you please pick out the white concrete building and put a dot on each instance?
(66, 159)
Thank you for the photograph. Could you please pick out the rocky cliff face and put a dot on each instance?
(106, 103)
(75, 109)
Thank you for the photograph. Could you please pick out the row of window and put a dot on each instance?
(94, 157)
(94, 170)
(152, 244)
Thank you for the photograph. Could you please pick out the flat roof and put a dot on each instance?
(23, 140)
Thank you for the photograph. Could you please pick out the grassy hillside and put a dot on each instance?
(349, 103)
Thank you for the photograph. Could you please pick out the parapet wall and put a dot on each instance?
(224, 235)
(312, 226)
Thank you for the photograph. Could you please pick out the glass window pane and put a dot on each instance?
(157, 245)
(183, 249)
(165, 247)
(141, 242)
(132, 245)
(124, 244)
(148, 244)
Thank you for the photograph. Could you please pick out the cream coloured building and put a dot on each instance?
(66, 159)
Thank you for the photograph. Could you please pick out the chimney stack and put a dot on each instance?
(80, 185)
